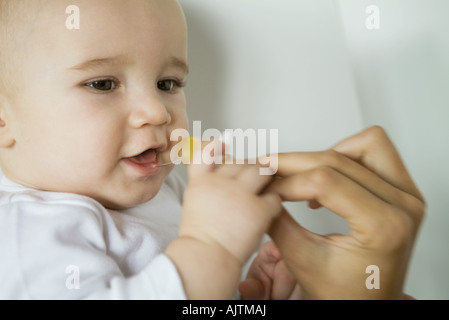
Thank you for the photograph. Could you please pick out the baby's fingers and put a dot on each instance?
(252, 289)
(252, 178)
(273, 202)
(285, 285)
(247, 175)
(201, 155)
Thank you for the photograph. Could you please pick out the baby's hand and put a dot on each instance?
(268, 277)
(224, 218)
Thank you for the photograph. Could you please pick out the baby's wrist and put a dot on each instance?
(207, 269)
(215, 250)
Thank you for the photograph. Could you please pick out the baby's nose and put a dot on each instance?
(152, 113)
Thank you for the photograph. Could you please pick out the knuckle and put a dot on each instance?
(376, 134)
(377, 130)
(324, 176)
(414, 206)
(417, 208)
(331, 158)
(296, 190)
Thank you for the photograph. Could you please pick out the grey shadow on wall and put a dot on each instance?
(206, 81)
(207, 76)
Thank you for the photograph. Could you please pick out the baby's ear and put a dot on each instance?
(6, 136)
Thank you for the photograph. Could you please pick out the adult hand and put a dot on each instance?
(363, 180)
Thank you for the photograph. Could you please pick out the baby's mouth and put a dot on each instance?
(145, 163)
(148, 156)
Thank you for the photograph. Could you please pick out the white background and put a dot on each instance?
(312, 70)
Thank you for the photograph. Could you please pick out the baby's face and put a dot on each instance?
(94, 99)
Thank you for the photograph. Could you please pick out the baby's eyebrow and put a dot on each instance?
(123, 60)
(99, 62)
(179, 63)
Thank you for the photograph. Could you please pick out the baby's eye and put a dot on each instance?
(103, 85)
(169, 85)
(166, 85)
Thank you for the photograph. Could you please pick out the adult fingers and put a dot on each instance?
(374, 150)
(300, 162)
(363, 211)
(289, 236)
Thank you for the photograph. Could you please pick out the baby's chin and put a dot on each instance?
(115, 196)
(124, 193)
(123, 203)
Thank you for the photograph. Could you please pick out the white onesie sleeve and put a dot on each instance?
(59, 246)
(158, 281)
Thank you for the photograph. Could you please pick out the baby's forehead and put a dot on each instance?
(69, 32)
(103, 22)
(74, 12)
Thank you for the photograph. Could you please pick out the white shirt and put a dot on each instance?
(66, 246)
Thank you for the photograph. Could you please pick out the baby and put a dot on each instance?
(86, 210)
